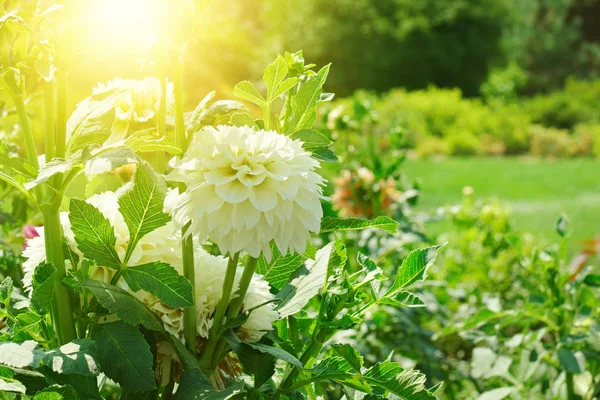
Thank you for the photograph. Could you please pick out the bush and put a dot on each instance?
(462, 145)
(549, 142)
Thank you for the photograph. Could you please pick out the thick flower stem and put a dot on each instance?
(49, 120)
(64, 323)
(570, 386)
(213, 337)
(27, 133)
(189, 313)
(236, 304)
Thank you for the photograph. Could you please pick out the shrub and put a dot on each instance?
(549, 142)
(465, 144)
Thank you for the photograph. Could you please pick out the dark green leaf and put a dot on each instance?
(281, 267)
(20, 355)
(56, 392)
(43, 287)
(77, 357)
(123, 304)
(125, 356)
(568, 361)
(194, 386)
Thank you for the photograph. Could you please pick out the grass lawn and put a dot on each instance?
(537, 191)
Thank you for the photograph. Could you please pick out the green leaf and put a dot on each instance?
(43, 287)
(311, 138)
(568, 361)
(407, 385)
(194, 120)
(373, 273)
(109, 160)
(324, 154)
(56, 392)
(414, 268)
(353, 224)
(6, 290)
(338, 370)
(193, 387)
(20, 355)
(592, 280)
(351, 355)
(274, 75)
(149, 140)
(91, 122)
(304, 103)
(16, 171)
(77, 357)
(284, 87)
(256, 363)
(85, 386)
(305, 283)
(123, 304)
(94, 234)
(247, 91)
(281, 267)
(242, 119)
(277, 353)
(54, 167)
(142, 206)
(403, 299)
(161, 280)
(125, 356)
(28, 325)
(11, 385)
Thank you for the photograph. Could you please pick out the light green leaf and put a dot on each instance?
(20, 355)
(16, 171)
(305, 283)
(403, 299)
(123, 304)
(285, 87)
(304, 103)
(274, 74)
(414, 268)
(497, 394)
(76, 357)
(242, 119)
(43, 287)
(407, 385)
(11, 385)
(142, 206)
(56, 392)
(311, 138)
(193, 122)
(28, 325)
(94, 234)
(109, 160)
(6, 290)
(91, 122)
(353, 224)
(247, 91)
(125, 356)
(281, 267)
(277, 353)
(161, 280)
(54, 167)
(339, 370)
(350, 354)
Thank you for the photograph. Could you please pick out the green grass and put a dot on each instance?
(536, 191)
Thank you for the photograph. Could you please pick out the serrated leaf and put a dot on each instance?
(142, 206)
(281, 267)
(56, 392)
(43, 287)
(305, 284)
(403, 299)
(351, 355)
(256, 363)
(16, 171)
(20, 355)
(6, 290)
(311, 138)
(161, 280)
(339, 370)
(247, 91)
(85, 386)
(304, 103)
(109, 160)
(28, 325)
(52, 168)
(125, 356)
(91, 122)
(11, 385)
(274, 75)
(353, 224)
(414, 268)
(373, 274)
(123, 304)
(76, 357)
(94, 234)
(407, 385)
(193, 387)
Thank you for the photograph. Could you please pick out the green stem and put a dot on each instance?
(570, 386)
(213, 336)
(64, 323)
(267, 116)
(49, 119)
(189, 313)
(27, 133)
(61, 109)
(236, 304)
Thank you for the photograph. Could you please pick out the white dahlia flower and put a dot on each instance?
(210, 274)
(246, 188)
(140, 99)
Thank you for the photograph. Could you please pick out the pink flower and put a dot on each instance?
(29, 232)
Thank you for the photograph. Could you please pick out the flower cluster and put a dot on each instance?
(162, 245)
(247, 188)
(360, 194)
(139, 100)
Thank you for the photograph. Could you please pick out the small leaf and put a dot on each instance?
(407, 385)
(274, 75)
(123, 304)
(311, 138)
(161, 280)
(125, 356)
(304, 103)
(94, 234)
(351, 355)
(414, 268)
(54, 167)
(246, 90)
(76, 357)
(352, 224)
(403, 299)
(305, 284)
(6, 290)
(256, 363)
(568, 361)
(109, 160)
(142, 206)
(592, 280)
(28, 325)
(281, 267)
(56, 392)
(277, 353)
(562, 225)
(43, 287)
